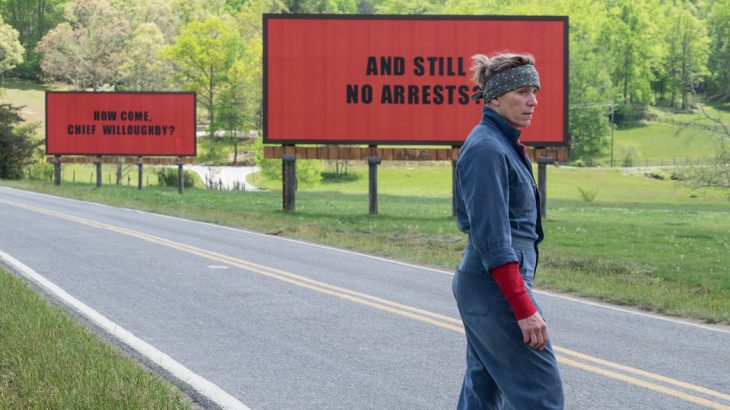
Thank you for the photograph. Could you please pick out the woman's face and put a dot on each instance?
(517, 106)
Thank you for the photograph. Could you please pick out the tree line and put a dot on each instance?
(624, 55)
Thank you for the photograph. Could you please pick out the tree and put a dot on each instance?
(631, 39)
(88, 49)
(16, 143)
(11, 52)
(143, 68)
(203, 53)
(688, 47)
(161, 13)
(718, 21)
(32, 19)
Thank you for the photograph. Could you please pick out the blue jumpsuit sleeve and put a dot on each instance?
(483, 178)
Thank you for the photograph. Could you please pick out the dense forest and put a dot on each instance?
(625, 55)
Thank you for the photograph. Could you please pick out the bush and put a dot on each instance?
(40, 169)
(17, 146)
(168, 177)
(587, 195)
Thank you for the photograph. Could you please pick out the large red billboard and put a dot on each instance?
(120, 123)
(400, 79)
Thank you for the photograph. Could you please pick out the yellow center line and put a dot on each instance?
(641, 383)
(411, 312)
(640, 372)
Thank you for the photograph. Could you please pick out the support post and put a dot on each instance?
(98, 171)
(139, 173)
(56, 170)
(179, 175)
(542, 164)
(373, 163)
(289, 181)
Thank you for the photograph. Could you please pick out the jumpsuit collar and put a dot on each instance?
(512, 133)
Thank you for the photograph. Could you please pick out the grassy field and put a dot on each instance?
(50, 361)
(627, 239)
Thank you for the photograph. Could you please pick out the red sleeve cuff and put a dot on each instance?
(510, 282)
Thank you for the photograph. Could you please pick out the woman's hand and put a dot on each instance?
(534, 331)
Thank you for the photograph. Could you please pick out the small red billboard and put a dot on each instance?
(120, 123)
(346, 79)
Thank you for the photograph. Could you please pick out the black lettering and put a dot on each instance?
(461, 66)
(450, 92)
(372, 68)
(352, 94)
(399, 94)
(105, 115)
(355, 94)
(387, 95)
(438, 97)
(464, 95)
(135, 116)
(412, 94)
(399, 65)
(432, 65)
(367, 94)
(81, 129)
(426, 95)
(418, 66)
(385, 65)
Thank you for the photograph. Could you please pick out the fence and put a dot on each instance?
(716, 128)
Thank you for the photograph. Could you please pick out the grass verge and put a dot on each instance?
(640, 241)
(48, 360)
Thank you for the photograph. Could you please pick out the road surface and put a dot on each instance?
(265, 322)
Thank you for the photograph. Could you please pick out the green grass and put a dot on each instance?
(48, 360)
(641, 241)
(29, 94)
(655, 141)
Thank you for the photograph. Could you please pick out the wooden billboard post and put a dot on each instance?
(56, 170)
(542, 164)
(289, 182)
(139, 172)
(373, 163)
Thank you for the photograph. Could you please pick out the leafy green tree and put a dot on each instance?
(32, 19)
(203, 53)
(158, 12)
(631, 37)
(17, 146)
(688, 48)
(409, 6)
(718, 21)
(87, 50)
(11, 51)
(197, 10)
(142, 68)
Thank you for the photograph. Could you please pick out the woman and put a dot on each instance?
(509, 359)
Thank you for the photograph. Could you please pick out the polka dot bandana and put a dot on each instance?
(512, 79)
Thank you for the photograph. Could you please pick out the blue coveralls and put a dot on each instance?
(497, 205)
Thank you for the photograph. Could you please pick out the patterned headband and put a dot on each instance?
(508, 80)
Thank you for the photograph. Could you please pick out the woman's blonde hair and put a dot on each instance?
(483, 67)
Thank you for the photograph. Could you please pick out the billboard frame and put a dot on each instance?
(565, 142)
(120, 154)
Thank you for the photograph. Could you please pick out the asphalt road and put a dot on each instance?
(282, 324)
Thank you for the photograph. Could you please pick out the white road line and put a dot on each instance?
(382, 259)
(201, 385)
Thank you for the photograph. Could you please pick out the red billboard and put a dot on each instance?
(120, 123)
(349, 79)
